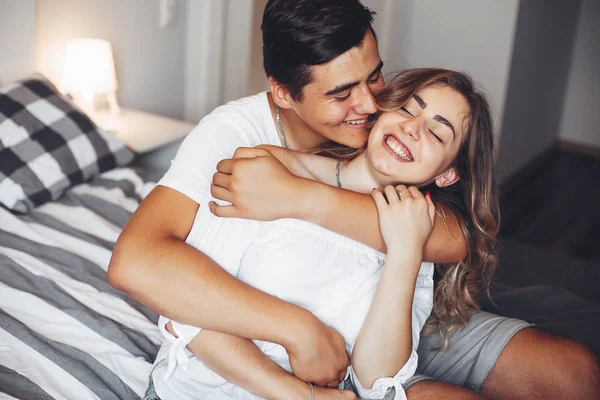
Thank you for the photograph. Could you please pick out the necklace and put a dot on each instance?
(285, 143)
(280, 125)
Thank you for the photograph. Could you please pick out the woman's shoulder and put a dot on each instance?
(304, 165)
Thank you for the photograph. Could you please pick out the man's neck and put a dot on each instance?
(299, 136)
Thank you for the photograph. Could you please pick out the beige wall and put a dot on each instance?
(149, 61)
(580, 114)
(473, 36)
(17, 39)
(257, 82)
(541, 60)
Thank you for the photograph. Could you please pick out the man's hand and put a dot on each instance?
(257, 185)
(320, 357)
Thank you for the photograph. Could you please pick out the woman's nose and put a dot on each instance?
(412, 128)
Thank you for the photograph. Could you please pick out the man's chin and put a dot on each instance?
(354, 141)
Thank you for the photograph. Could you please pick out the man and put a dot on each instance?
(322, 61)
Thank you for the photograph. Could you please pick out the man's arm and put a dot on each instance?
(354, 215)
(279, 194)
(242, 363)
(152, 263)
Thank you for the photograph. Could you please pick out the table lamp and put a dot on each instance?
(89, 71)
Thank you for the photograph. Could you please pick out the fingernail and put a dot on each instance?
(428, 194)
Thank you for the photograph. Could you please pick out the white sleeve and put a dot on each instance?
(176, 356)
(422, 305)
(215, 138)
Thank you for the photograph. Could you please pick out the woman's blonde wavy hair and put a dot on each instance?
(473, 199)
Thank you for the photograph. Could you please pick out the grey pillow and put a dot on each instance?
(47, 145)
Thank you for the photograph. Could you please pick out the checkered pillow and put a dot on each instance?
(48, 145)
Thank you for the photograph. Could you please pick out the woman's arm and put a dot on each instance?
(280, 194)
(385, 342)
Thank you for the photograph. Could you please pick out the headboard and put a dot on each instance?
(17, 39)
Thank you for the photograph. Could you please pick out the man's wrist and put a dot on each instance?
(300, 333)
(310, 200)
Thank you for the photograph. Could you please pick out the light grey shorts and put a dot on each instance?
(472, 352)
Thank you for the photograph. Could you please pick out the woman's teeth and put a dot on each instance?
(398, 150)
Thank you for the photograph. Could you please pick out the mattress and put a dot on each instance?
(65, 333)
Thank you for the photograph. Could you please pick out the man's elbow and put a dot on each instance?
(117, 276)
(121, 271)
(449, 252)
(459, 250)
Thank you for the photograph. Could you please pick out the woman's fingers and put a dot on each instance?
(430, 207)
(379, 199)
(403, 192)
(415, 193)
(391, 194)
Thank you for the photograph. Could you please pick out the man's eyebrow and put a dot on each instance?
(438, 118)
(341, 88)
(345, 86)
(377, 69)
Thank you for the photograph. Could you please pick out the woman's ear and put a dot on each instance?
(280, 94)
(447, 178)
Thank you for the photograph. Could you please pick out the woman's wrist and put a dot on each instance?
(404, 258)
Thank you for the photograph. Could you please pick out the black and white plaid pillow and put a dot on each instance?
(48, 145)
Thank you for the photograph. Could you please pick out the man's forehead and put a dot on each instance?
(355, 65)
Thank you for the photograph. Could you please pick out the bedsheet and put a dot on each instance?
(65, 333)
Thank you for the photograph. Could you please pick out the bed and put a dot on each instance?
(64, 332)
(66, 190)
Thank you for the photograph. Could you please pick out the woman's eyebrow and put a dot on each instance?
(438, 118)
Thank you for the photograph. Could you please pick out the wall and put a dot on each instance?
(473, 36)
(257, 81)
(149, 61)
(18, 50)
(580, 114)
(544, 44)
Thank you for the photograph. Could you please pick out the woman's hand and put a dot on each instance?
(405, 218)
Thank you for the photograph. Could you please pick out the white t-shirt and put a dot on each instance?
(330, 275)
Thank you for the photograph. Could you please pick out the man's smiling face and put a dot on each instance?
(339, 99)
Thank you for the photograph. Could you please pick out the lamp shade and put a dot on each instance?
(89, 67)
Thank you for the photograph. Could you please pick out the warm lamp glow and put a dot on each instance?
(89, 71)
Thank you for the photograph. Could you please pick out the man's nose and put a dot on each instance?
(365, 103)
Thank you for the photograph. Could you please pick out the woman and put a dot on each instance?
(434, 131)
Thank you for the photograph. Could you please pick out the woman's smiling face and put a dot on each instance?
(418, 143)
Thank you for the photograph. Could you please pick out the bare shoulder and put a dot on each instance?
(305, 165)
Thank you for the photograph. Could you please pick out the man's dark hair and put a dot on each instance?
(298, 34)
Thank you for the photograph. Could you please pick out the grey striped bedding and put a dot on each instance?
(65, 333)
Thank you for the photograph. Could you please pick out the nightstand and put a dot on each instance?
(154, 138)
